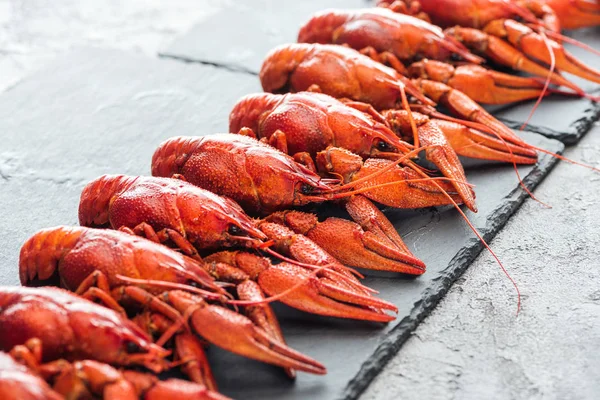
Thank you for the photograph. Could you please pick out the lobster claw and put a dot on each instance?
(385, 182)
(504, 53)
(460, 104)
(534, 44)
(480, 84)
(468, 142)
(576, 14)
(438, 150)
(238, 334)
(350, 244)
(320, 295)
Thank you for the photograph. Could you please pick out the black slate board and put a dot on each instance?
(252, 30)
(100, 111)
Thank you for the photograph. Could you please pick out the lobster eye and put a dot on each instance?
(133, 348)
(455, 57)
(306, 189)
(383, 146)
(235, 230)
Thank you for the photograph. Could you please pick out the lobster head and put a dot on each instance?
(212, 221)
(109, 337)
(260, 178)
(72, 327)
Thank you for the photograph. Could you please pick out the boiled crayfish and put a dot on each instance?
(491, 28)
(86, 259)
(201, 219)
(417, 49)
(345, 73)
(264, 180)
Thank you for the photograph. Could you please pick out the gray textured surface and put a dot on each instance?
(472, 346)
(250, 29)
(34, 32)
(61, 129)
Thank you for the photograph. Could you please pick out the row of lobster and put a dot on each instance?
(164, 264)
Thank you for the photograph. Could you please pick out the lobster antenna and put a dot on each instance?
(170, 285)
(346, 278)
(413, 125)
(546, 83)
(398, 182)
(482, 241)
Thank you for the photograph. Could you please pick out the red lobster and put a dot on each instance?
(345, 73)
(90, 379)
(263, 180)
(491, 28)
(71, 327)
(98, 263)
(399, 40)
(305, 123)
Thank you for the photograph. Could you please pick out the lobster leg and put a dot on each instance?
(262, 314)
(438, 150)
(480, 84)
(378, 248)
(238, 334)
(471, 143)
(146, 230)
(87, 378)
(188, 348)
(190, 351)
(536, 46)
(96, 287)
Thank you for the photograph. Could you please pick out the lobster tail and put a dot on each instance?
(320, 28)
(248, 110)
(41, 253)
(279, 64)
(96, 197)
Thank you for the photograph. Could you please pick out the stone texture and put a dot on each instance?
(34, 32)
(250, 30)
(472, 346)
(102, 111)
(560, 118)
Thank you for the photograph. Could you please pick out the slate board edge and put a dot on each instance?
(578, 128)
(189, 60)
(394, 340)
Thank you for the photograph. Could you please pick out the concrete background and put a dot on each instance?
(472, 346)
